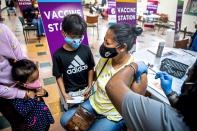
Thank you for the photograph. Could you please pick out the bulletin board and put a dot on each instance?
(191, 7)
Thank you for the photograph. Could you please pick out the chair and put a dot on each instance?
(183, 44)
(164, 23)
(27, 27)
(140, 20)
(186, 33)
(92, 21)
(147, 22)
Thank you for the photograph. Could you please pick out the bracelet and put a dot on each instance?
(173, 97)
(132, 66)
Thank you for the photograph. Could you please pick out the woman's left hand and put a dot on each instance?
(87, 93)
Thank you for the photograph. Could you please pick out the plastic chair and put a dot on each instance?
(183, 44)
(27, 27)
(92, 21)
(164, 23)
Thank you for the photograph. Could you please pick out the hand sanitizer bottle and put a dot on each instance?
(160, 49)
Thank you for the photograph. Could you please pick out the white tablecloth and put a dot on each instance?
(148, 56)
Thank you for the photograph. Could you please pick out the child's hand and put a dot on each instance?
(41, 92)
(30, 94)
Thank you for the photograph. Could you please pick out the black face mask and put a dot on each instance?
(106, 52)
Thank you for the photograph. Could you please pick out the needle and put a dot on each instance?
(151, 52)
(152, 70)
(150, 66)
(152, 73)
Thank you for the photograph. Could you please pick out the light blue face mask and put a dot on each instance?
(74, 43)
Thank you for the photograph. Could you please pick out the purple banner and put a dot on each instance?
(0, 9)
(179, 14)
(152, 6)
(52, 14)
(126, 12)
(1, 19)
(111, 11)
(24, 4)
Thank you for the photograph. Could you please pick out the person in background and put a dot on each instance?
(103, 2)
(10, 7)
(94, 7)
(145, 114)
(32, 17)
(104, 14)
(119, 39)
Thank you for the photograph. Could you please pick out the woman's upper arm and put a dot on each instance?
(140, 88)
(11, 92)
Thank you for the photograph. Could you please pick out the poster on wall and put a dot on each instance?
(191, 7)
(152, 6)
(52, 13)
(126, 11)
(111, 11)
(179, 14)
(23, 4)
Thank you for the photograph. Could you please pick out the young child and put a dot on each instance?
(73, 63)
(36, 114)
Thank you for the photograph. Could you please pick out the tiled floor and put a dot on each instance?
(38, 51)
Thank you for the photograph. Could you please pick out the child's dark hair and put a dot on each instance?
(23, 69)
(74, 24)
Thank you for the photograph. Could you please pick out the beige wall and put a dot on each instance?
(169, 7)
(92, 1)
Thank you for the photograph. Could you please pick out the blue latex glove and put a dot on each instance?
(166, 82)
(142, 68)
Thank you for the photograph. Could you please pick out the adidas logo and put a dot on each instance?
(77, 65)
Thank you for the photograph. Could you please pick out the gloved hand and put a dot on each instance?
(166, 82)
(142, 68)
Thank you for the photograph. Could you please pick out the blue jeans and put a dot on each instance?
(101, 123)
(38, 22)
(13, 9)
